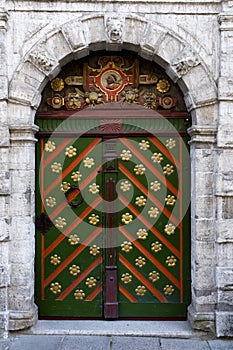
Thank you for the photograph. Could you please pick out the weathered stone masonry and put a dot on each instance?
(193, 42)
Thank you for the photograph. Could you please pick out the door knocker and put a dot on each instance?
(74, 204)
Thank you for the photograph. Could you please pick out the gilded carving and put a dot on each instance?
(74, 100)
(170, 143)
(169, 229)
(157, 158)
(154, 276)
(88, 162)
(163, 85)
(168, 169)
(168, 289)
(74, 270)
(93, 97)
(130, 95)
(57, 84)
(150, 99)
(171, 261)
(153, 212)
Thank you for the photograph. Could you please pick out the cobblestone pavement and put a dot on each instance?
(69, 342)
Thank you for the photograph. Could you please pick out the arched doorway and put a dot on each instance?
(112, 192)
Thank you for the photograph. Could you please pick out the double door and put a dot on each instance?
(112, 220)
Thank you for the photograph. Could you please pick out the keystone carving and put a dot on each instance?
(185, 61)
(114, 29)
(41, 59)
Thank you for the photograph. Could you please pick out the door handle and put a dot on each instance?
(74, 204)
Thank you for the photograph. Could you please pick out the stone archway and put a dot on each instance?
(184, 65)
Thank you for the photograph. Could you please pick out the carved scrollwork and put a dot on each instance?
(41, 59)
(185, 61)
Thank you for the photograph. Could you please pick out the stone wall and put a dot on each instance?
(192, 40)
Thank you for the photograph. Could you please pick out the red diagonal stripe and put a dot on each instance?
(127, 294)
(149, 226)
(75, 162)
(146, 162)
(142, 279)
(151, 257)
(72, 256)
(94, 293)
(85, 273)
(74, 225)
(150, 196)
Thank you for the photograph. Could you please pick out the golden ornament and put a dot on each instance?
(93, 219)
(71, 151)
(125, 186)
(126, 155)
(126, 246)
(139, 169)
(76, 176)
(153, 212)
(140, 261)
(170, 143)
(156, 246)
(171, 261)
(163, 85)
(55, 260)
(170, 200)
(155, 186)
(55, 288)
(168, 289)
(57, 84)
(60, 222)
(157, 158)
(126, 278)
(94, 250)
(144, 145)
(127, 218)
(50, 202)
(50, 146)
(140, 201)
(154, 276)
(169, 229)
(91, 282)
(142, 233)
(65, 186)
(79, 294)
(73, 239)
(88, 162)
(168, 169)
(140, 291)
(56, 167)
(93, 188)
(74, 270)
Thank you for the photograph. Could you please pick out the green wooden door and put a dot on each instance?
(112, 227)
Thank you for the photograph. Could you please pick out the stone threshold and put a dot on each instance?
(165, 329)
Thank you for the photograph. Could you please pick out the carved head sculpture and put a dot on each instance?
(114, 27)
